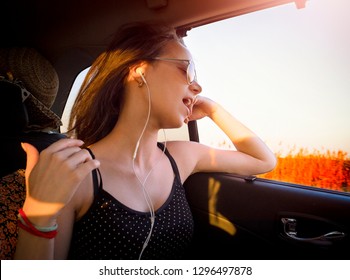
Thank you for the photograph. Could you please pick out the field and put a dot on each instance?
(328, 170)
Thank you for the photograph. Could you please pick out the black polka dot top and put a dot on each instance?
(111, 231)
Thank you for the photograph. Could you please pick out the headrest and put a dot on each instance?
(13, 156)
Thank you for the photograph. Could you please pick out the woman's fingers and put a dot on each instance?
(58, 171)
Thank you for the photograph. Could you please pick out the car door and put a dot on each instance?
(254, 218)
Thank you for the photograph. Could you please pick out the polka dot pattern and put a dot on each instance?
(110, 230)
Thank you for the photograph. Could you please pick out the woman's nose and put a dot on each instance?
(195, 88)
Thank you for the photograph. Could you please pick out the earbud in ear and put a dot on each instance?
(142, 76)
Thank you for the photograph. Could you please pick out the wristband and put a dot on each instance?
(45, 232)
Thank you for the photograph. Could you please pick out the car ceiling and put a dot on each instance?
(72, 33)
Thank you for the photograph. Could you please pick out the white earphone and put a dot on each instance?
(142, 76)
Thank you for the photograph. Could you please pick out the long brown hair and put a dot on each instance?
(97, 106)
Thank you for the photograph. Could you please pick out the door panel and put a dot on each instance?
(252, 218)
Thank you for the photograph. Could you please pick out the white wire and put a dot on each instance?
(144, 190)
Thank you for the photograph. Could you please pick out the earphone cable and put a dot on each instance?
(144, 190)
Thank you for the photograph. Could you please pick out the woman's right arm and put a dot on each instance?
(52, 179)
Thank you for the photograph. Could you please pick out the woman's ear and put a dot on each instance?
(138, 71)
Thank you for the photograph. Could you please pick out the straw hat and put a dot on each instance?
(30, 70)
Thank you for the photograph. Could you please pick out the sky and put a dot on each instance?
(283, 71)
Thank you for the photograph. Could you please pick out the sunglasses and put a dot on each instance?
(190, 71)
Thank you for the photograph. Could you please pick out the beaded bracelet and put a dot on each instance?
(45, 232)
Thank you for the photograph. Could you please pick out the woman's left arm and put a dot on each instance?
(252, 155)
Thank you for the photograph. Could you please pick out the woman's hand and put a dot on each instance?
(202, 107)
(53, 178)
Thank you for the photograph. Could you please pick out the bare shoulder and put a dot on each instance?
(186, 155)
(183, 146)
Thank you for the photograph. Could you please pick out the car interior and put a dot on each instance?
(236, 217)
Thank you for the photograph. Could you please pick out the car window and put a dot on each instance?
(285, 73)
(71, 98)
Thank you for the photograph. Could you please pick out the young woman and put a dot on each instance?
(112, 191)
